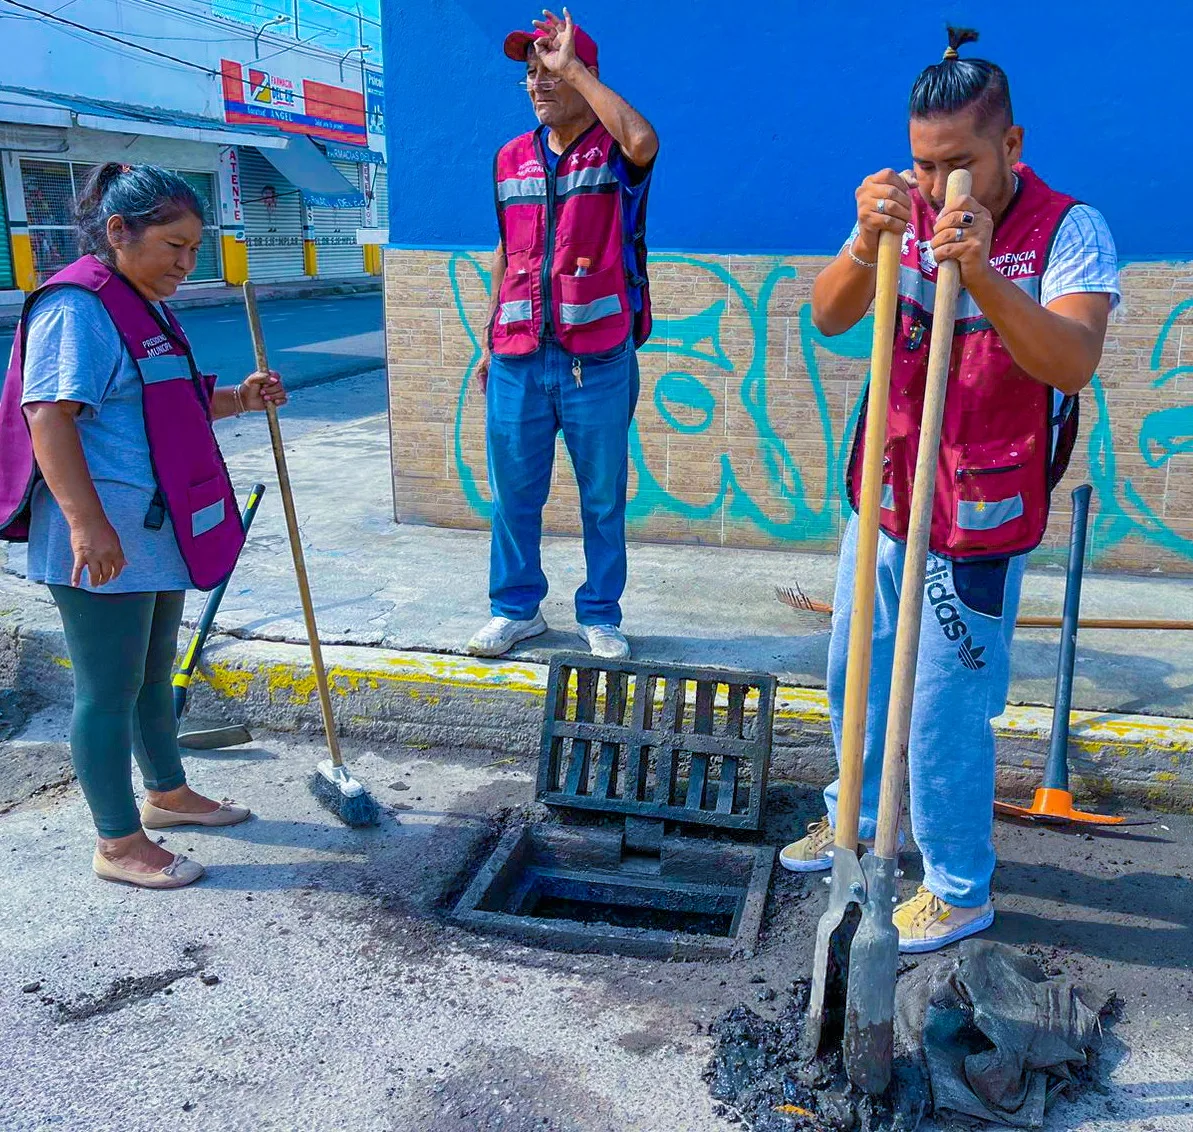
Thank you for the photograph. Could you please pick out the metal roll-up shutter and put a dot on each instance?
(335, 232)
(272, 220)
(381, 197)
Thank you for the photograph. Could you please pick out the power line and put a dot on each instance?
(357, 15)
(173, 60)
(115, 39)
(305, 46)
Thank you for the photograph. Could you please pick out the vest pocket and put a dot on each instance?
(207, 506)
(990, 509)
(593, 312)
(516, 297)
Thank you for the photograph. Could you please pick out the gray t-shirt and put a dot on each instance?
(73, 352)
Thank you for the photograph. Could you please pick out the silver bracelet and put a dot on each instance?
(857, 260)
(240, 409)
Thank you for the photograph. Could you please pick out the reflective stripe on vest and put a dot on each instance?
(530, 190)
(518, 310)
(577, 314)
(207, 518)
(591, 178)
(164, 367)
(988, 514)
(922, 292)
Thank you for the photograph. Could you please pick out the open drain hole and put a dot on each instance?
(633, 910)
(580, 889)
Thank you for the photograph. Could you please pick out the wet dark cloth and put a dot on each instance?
(995, 1036)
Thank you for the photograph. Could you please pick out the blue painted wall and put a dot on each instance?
(770, 115)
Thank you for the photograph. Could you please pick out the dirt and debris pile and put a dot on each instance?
(981, 1032)
(758, 1077)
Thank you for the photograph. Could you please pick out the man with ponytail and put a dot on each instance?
(1039, 279)
(110, 470)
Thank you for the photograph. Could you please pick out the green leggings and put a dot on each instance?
(122, 651)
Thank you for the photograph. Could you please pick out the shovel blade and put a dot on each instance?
(215, 738)
(833, 934)
(869, 1040)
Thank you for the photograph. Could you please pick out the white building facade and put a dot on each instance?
(273, 131)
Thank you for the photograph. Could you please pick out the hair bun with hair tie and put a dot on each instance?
(126, 168)
(958, 37)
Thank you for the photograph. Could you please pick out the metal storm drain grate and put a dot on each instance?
(653, 744)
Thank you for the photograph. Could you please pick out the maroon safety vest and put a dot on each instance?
(193, 483)
(549, 221)
(1006, 437)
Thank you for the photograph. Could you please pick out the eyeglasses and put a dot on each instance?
(540, 81)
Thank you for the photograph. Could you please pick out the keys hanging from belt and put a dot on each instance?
(578, 373)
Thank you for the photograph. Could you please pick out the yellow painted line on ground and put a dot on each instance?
(294, 681)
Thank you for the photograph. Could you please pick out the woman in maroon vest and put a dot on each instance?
(101, 513)
(1039, 278)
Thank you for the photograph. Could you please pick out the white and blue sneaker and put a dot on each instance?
(606, 641)
(502, 633)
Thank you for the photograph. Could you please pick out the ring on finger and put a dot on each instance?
(880, 207)
(960, 235)
(967, 218)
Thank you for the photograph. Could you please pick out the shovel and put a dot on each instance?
(1053, 802)
(846, 884)
(229, 735)
(874, 956)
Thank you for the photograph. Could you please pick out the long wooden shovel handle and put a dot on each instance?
(911, 596)
(861, 626)
(300, 568)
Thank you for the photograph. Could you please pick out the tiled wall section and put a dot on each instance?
(746, 411)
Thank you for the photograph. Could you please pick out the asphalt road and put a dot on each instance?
(310, 340)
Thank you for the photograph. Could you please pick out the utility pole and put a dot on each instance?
(297, 32)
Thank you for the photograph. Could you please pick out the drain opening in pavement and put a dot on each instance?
(658, 748)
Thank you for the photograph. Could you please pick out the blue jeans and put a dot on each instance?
(962, 677)
(529, 400)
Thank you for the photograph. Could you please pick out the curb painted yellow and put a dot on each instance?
(310, 258)
(1091, 731)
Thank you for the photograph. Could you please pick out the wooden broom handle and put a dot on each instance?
(911, 597)
(300, 569)
(861, 625)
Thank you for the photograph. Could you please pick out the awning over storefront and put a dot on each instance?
(46, 108)
(356, 153)
(322, 185)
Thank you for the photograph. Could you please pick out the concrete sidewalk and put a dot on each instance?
(397, 604)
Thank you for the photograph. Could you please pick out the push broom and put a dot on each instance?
(332, 784)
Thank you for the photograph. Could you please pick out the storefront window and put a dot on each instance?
(51, 188)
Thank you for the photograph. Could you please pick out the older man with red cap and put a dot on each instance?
(570, 305)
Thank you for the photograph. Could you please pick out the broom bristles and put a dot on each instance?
(354, 810)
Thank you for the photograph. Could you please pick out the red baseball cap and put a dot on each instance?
(517, 43)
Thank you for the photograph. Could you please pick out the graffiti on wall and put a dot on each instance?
(715, 382)
(1163, 435)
